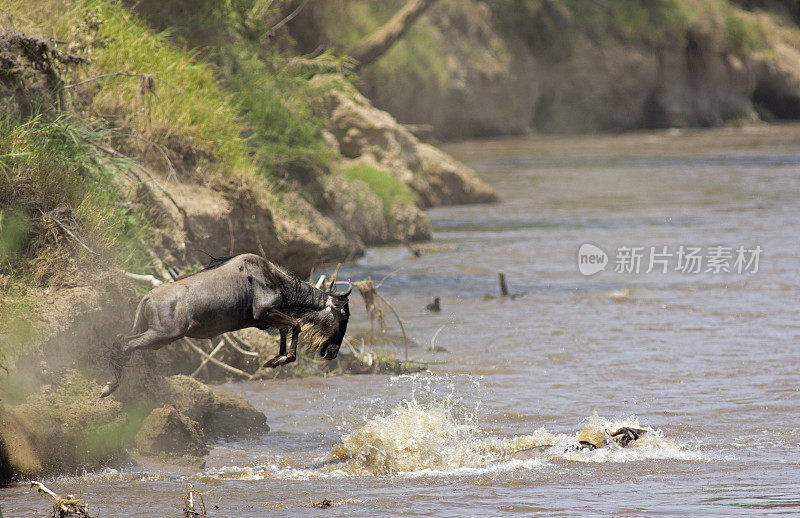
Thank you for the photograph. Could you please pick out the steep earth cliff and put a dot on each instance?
(471, 68)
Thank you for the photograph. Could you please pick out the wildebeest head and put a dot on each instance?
(324, 330)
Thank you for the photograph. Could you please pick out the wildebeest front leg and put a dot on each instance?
(283, 322)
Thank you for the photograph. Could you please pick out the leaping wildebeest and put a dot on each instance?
(233, 293)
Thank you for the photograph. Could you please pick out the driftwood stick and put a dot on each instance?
(501, 278)
(43, 489)
(433, 339)
(62, 506)
(399, 321)
(233, 340)
(215, 361)
(207, 359)
(144, 278)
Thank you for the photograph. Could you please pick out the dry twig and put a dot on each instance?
(232, 340)
(190, 504)
(63, 507)
(145, 278)
(69, 233)
(145, 77)
(208, 358)
(215, 361)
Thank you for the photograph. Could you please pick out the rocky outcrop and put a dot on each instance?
(363, 131)
(239, 215)
(62, 427)
(234, 418)
(220, 415)
(193, 416)
(166, 434)
(354, 206)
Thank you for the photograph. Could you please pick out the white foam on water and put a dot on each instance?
(433, 433)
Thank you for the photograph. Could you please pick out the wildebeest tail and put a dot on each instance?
(139, 324)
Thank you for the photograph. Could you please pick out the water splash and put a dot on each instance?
(436, 431)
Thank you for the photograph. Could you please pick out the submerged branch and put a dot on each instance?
(62, 507)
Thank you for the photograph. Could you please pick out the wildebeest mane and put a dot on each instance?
(217, 261)
(298, 291)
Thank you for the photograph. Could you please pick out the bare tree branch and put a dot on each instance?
(376, 44)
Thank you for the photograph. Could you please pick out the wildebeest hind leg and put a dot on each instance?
(120, 354)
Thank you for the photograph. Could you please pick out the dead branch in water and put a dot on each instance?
(207, 359)
(232, 340)
(399, 321)
(63, 507)
(433, 339)
(190, 503)
(501, 279)
(369, 292)
(196, 348)
(324, 504)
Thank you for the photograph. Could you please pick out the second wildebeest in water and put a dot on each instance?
(234, 293)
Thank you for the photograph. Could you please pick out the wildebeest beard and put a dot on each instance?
(323, 330)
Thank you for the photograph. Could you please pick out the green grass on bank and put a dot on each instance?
(184, 102)
(246, 106)
(53, 178)
(390, 190)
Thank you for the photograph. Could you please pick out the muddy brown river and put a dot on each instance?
(705, 360)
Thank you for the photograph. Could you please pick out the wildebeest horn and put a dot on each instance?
(333, 278)
(349, 290)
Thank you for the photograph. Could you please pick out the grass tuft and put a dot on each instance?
(54, 179)
(390, 190)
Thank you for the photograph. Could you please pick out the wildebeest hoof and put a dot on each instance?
(109, 389)
(277, 362)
